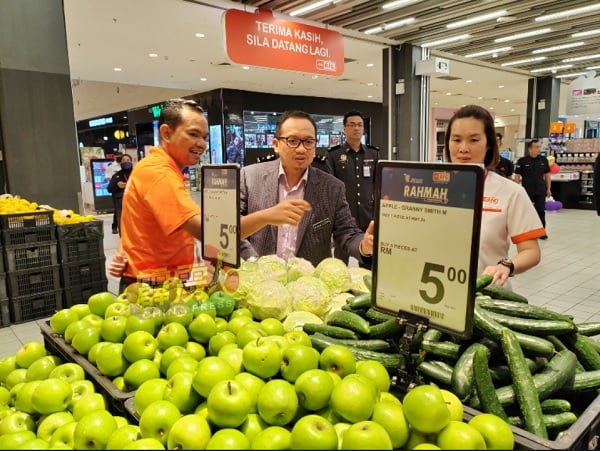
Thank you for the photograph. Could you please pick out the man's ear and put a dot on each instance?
(165, 132)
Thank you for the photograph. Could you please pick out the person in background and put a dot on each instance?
(111, 170)
(505, 166)
(596, 184)
(116, 186)
(507, 213)
(354, 164)
(291, 186)
(234, 151)
(533, 171)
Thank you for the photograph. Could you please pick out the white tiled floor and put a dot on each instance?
(566, 280)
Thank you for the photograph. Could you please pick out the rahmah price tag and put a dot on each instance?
(428, 219)
(221, 213)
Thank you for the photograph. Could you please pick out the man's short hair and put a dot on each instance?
(352, 113)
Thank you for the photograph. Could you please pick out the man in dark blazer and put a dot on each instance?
(290, 187)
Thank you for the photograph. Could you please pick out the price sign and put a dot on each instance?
(428, 218)
(221, 213)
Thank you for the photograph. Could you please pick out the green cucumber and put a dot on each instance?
(329, 330)
(520, 309)
(389, 329)
(550, 406)
(523, 384)
(594, 343)
(587, 380)
(462, 374)
(368, 344)
(435, 373)
(376, 316)
(349, 320)
(368, 280)
(484, 385)
(483, 281)
(538, 327)
(359, 302)
(589, 329)
(561, 420)
(446, 350)
(585, 352)
(498, 292)
(491, 328)
(432, 334)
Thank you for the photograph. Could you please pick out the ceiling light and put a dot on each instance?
(398, 4)
(491, 108)
(581, 58)
(572, 12)
(370, 83)
(476, 19)
(199, 35)
(468, 81)
(488, 52)
(573, 75)
(501, 86)
(526, 34)
(370, 96)
(512, 110)
(152, 55)
(524, 61)
(311, 7)
(445, 41)
(370, 64)
(389, 26)
(552, 69)
(506, 100)
(479, 98)
(559, 47)
(246, 67)
(448, 93)
(117, 69)
(592, 68)
(314, 77)
(583, 34)
(203, 79)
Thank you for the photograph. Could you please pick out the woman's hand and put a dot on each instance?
(117, 265)
(500, 272)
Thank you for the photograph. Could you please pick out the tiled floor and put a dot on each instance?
(566, 280)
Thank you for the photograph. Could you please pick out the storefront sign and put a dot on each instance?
(428, 218)
(570, 127)
(583, 95)
(556, 127)
(100, 121)
(260, 39)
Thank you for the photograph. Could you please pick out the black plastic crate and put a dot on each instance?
(114, 397)
(79, 249)
(28, 235)
(29, 256)
(36, 306)
(84, 272)
(26, 220)
(3, 290)
(32, 281)
(4, 313)
(79, 294)
(81, 230)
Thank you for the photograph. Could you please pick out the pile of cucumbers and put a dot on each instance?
(527, 364)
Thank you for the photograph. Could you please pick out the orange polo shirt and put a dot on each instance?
(156, 204)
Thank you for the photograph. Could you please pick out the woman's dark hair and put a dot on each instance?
(171, 112)
(492, 155)
(296, 115)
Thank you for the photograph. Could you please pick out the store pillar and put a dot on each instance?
(39, 154)
(543, 95)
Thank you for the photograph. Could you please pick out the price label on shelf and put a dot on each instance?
(221, 213)
(428, 218)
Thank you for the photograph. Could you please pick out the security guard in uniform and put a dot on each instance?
(354, 164)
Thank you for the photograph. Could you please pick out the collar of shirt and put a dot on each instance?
(283, 183)
(157, 152)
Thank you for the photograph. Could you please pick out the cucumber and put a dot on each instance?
(561, 420)
(520, 309)
(585, 352)
(368, 344)
(489, 327)
(589, 329)
(484, 386)
(559, 346)
(483, 281)
(523, 384)
(555, 406)
(435, 373)
(368, 280)
(538, 327)
(462, 374)
(501, 374)
(359, 302)
(585, 381)
(432, 334)
(349, 320)
(331, 331)
(498, 292)
(594, 343)
(389, 329)
(376, 316)
(446, 350)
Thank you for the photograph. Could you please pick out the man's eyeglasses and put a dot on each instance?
(355, 125)
(293, 142)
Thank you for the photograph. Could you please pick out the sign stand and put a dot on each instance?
(415, 326)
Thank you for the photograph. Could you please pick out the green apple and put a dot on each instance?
(137, 321)
(86, 404)
(262, 358)
(224, 303)
(139, 372)
(179, 312)
(63, 436)
(157, 419)
(273, 437)
(221, 324)
(340, 428)
(494, 430)
(94, 430)
(425, 409)
(252, 426)
(93, 352)
(139, 345)
(279, 340)
(233, 355)
(23, 396)
(228, 404)
(209, 371)
(181, 393)
(391, 416)
(374, 370)
(145, 443)
(457, 434)
(220, 339)
(119, 383)
(4, 397)
(50, 423)
(314, 432)
(196, 350)
(337, 359)
(366, 435)
(83, 340)
(73, 328)
(113, 328)
(172, 353)
(80, 389)
(123, 436)
(297, 359)
(273, 326)
(110, 360)
(172, 334)
(98, 302)
(189, 432)
(41, 368)
(29, 353)
(17, 422)
(253, 385)
(15, 377)
(454, 405)
(249, 332)
(202, 327)
(156, 314)
(240, 312)
(117, 309)
(7, 364)
(15, 440)
(13, 393)
(314, 388)
(277, 402)
(61, 319)
(298, 337)
(69, 372)
(354, 398)
(52, 395)
(236, 323)
(185, 363)
(387, 396)
(228, 438)
(82, 310)
(150, 391)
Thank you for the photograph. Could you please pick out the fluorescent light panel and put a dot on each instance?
(559, 47)
(476, 19)
(488, 52)
(568, 13)
(553, 68)
(445, 41)
(583, 34)
(389, 26)
(311, 7)
(581, 58)
(398, 4)
(526, 34)
(575, 74)
(524, 61)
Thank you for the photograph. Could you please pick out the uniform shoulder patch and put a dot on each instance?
(320, 158)
(334, 147)
(370, 146)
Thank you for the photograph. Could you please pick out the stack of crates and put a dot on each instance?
(4, 309)
(31, 263)
(81, 254)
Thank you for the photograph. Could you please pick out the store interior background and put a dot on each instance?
(155, 46)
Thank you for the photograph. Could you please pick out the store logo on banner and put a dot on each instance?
(260, 39)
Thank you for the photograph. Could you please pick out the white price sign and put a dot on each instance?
(221, 213)
(427, 241)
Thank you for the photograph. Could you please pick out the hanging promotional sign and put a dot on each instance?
(583, 95)
(260, 39)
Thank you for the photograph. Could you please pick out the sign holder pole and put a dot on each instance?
(414, 328)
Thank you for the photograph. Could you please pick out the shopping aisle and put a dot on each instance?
(567, 279)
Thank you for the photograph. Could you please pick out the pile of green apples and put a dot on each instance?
(48, 404)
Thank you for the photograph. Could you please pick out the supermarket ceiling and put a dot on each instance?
(154, 43)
